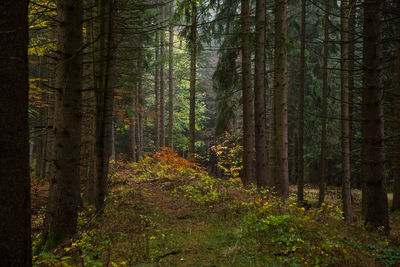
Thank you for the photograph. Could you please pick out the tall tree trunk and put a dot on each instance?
(171, 79)
(280, 99)
(89, 196)
(132, 135)
(157, 95)
(300, 159)
(247, 97)
(113, 156)
(262, 172)
(162, 79)
(139, 103)
(351, 69)
(322, 178)
(65, 184)
(40, 157)
(193, 70)
(396, 85)
(15, 222)
(104, 94)
(346, 187)
(376, 195)
(133, 115)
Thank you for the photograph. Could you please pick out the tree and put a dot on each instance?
(171, 78)
(322, 181)
(193, 70)
(162, 79)
(64, 193)
(280, 99)
(396, 84)
(376, 213)
(262, 172)
(15, 222)
(157, 95)
(247, 97)
(300, 181)
(346, 188)
(103, 96)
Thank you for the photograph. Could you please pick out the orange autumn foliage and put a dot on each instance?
(170, 157)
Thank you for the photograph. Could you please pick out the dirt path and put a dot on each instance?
(190, 233)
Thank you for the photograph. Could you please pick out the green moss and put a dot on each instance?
(53, 240)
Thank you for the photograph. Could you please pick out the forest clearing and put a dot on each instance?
(199, 133)
(164, 211)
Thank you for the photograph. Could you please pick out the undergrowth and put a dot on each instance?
(166, 210)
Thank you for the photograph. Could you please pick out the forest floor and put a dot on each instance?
(160, 213)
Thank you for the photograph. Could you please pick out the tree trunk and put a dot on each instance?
(322, 178)
(89, 195)
(396, 85)
(15, 222)
(113, 156)
(262, 172)
(171, 79)
(132, 136)
(162, 80)
(351, 75)
(65, 184)
(300, 159)
(376, 196)
(192, 97)
(139, 104)
(247, 98)
(103, 95)
(280, 99)
(157, 95)
(346, 187)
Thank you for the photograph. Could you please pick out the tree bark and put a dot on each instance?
(262, 172)
(247, 98)
(193, 70)
(322, 179)
(132, 135)
(162, 79)
(15, 222)
(376, 215)
(139, 103)
(396, 87)
(157, 95)
(280, 99)
(65, 184)
(346, 187)
(103, 95)
(171, 79)
(300, 159)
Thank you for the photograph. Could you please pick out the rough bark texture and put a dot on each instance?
(262, 172)
(157, 95)
(162, 80)
(103, 95)
(396, 87)
(346, 187)
(351, 74)
(139, 107)
(300, 158)
(322, 178)
(193, 70)
(171, 79)
(15, 222)
(90, 179)
(65, 184)
(132, 136)
(280, 99)
(376, 214)
(247, 97)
